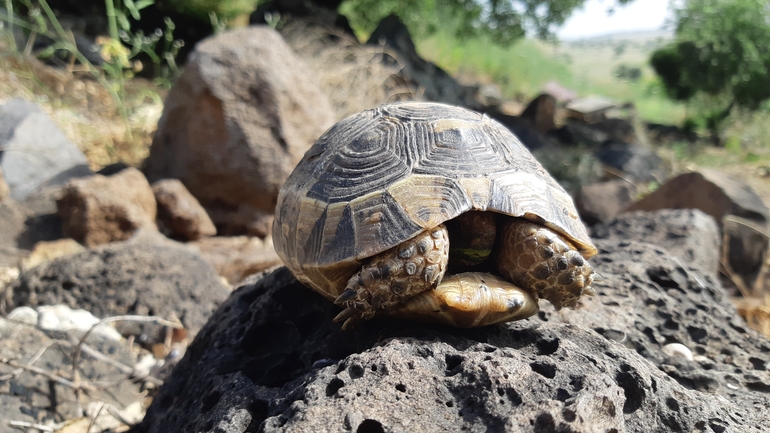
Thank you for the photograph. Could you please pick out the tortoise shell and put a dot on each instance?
(380, 177)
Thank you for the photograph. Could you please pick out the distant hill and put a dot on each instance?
(640, 36)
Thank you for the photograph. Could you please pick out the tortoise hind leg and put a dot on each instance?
(397, 274)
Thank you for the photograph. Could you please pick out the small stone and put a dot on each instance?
(24, 315)
(180, 216)
(677, 349)
(62, 318)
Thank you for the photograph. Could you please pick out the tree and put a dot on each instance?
(503, 20)
(721, 51)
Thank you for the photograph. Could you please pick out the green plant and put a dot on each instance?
(119, 50)
(720, 58)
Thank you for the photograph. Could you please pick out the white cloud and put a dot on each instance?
(593, 20)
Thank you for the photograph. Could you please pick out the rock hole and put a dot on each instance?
(576, 383)
(758, 386)
(569, 415)
(672, 404)
(545, 370)
(671, 324)
(716, 425)
(259, 410)
(355, 371)
(210, 401)
(633, 391)
(453, 364)
(373, 368)
(500, 392)
(450, 404)
(562, 394)
(341, 367)
(370, 426)
(697, 334)
(758, 364)
(544, 424)
(334, 386)
(401, 387)
(513, 396)
(547, 347)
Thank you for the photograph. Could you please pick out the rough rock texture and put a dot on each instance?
(125, 279)
(180, 216)
(600, 202)
(237, 257)
(688, 234)
(25, 396)
(271, 360)
(722, 197)
(632, 161)
(101, 209)
(237, 122)
(34, 151)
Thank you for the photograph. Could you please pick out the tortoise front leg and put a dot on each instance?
(397, 274)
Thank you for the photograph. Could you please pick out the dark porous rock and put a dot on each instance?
(632, 161)
(120, 279)
(272, 360)
(689, 234)
(600, 202)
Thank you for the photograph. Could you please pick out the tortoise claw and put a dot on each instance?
(347, 295)
(350, 316)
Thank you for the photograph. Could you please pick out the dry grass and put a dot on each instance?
(83, 108)
(355, 77)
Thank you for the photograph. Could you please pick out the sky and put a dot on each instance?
(592, 19)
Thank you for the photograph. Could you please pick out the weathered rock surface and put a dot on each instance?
(724, 198)
(600, 202)
(180, 216)
(271, 360)
(12, 217)
(236, 123)
(34, 151)
(237, 257)
(45, 251)
(688, 234)
(122, 279)
(101, 209)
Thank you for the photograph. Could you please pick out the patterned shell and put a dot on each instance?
(379, 177)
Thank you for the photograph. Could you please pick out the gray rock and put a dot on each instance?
(12, 217)
(601, 202)
(33, 151)
(689, 234)
(122, 279)
(271, 360)
(236, 123)
(632, 161)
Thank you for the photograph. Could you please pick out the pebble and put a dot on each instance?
(676, 349)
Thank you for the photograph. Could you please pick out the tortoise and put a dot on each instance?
(431, 212)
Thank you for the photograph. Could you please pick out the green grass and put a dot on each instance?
(521, 70)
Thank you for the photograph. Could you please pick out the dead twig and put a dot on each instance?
(41, 427)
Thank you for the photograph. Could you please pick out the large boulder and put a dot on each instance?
(123, 278)
(236, 123)
(633, 162)
(272, 360)
(101, 209)
(33, 151)
(739, 211)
